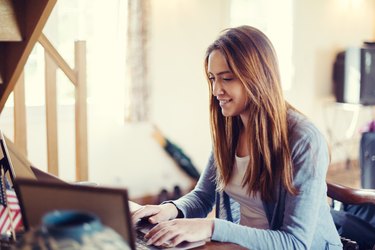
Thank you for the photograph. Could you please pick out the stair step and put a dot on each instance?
(9, 28)
(32, 16)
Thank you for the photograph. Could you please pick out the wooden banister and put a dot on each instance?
(53, 61)
(32, 15)
(77, 76)
(350, 195)
(63, 65)
(81, 112)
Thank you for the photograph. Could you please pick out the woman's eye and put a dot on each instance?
(227, 79)
(211, 79)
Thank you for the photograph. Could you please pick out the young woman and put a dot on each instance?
(267, 171)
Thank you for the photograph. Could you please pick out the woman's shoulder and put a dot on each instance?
(308, 148)
(302, 130)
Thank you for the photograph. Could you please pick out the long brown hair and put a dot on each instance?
(252, 59)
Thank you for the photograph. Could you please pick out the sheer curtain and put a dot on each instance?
(137, 103)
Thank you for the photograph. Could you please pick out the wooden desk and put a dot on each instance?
(214, 245)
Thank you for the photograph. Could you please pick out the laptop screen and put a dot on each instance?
(36, 198)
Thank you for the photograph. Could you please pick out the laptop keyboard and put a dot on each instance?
(142, 227)
(140, 243)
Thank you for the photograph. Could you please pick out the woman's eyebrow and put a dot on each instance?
(221, 73)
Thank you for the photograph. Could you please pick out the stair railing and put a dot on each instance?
(77, 76)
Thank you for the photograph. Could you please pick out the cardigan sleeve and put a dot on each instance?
(199, 202)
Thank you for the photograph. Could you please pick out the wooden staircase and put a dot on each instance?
(21, 24)
(9, 26)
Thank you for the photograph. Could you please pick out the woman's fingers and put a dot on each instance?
(156, 213)
(145, 211)
(175, 231)
(176, 240)
(162, 234)
(156, 230)
(161, 238)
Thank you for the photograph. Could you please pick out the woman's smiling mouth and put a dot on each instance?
(223, 102)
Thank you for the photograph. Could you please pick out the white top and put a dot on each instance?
(252, 211)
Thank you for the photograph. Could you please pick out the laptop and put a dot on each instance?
(36, 198)
(111, 205)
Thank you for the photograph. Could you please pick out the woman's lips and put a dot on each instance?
(223, 102)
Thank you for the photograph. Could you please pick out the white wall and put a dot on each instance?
(181, 31)
(321, 29)
(126, 155)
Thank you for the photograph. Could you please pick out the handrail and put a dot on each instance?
(63, 65)
(350, 195)
(77, 75)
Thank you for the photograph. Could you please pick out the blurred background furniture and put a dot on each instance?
(353, 196)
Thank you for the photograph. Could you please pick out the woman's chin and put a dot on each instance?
(226, 113)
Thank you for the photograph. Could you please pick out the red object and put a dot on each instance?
(15, 212)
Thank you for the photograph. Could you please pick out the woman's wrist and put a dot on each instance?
(173, 210)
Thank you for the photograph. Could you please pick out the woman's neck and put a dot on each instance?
(242, 147)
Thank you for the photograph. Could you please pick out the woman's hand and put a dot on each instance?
(156, 213)
(172, 233)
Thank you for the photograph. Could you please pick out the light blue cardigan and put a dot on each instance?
(296, 222)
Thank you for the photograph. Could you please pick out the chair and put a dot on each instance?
(352, 196)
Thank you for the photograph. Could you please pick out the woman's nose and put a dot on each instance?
(217, 88)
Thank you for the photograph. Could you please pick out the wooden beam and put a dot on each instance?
(81, 112)
(51, 115)
(64, 66)
(2, 66)
(33, 15)
(20, 132)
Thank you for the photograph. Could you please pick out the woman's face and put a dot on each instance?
(226, 87)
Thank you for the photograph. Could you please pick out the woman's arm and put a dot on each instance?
(199, 202)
